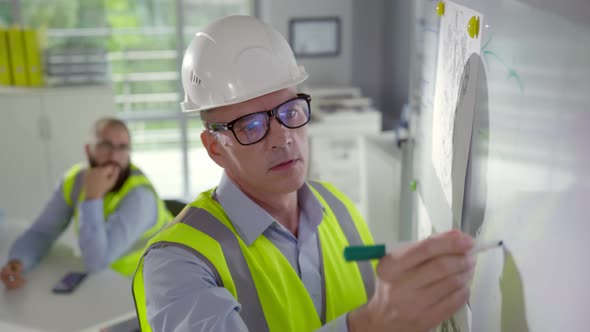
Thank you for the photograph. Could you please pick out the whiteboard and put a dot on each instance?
(527, 181)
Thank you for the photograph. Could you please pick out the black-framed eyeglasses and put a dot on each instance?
(253, 128)
(108, 147)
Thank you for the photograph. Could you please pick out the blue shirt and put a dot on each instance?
(101, 241)
(181, 291)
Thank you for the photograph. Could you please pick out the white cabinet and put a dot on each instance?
(24, 167)
(381, 176)
(349, 150)
(42, 133)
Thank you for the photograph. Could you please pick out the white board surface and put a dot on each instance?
(528, 175)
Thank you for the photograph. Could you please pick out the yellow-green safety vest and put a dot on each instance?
(261, 279)
(73, 191)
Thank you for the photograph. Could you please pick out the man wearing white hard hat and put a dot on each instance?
(263, 251)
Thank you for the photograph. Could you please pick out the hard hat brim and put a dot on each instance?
(189, 107)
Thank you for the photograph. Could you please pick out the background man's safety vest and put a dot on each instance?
(73, 190)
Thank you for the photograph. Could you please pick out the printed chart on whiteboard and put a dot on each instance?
(455, 46)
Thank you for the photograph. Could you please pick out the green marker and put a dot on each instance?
(363, 253)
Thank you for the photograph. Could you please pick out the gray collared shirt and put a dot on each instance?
(181, 291)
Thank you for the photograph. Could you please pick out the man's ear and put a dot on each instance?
(87, 150)
(213, 147)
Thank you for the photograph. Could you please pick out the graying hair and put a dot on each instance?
(205, 120)
(204, 116)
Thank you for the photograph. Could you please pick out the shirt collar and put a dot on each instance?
(250, 220)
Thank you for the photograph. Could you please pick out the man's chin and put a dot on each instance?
(288, 184)
(123, 175)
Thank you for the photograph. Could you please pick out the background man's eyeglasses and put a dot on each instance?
(105, 146)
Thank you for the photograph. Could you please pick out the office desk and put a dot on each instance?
(101, 299)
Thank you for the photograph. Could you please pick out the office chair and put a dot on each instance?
(174, 206)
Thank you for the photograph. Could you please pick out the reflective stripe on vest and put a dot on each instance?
(267, 286)
(352, 235)
(352, 226)
(202, 220)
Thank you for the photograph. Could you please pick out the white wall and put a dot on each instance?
(329, 71)
(368, 51)
(396, 59)
(375, 47)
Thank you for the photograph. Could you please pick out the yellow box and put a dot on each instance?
(33, 58)
(5, 73)
(18, 63)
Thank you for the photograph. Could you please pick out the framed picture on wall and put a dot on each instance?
(315, 36)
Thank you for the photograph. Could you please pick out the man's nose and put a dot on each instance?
(279, 135)
(115, 155)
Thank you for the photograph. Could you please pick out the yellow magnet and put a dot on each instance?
(440, 8)
(473, 27)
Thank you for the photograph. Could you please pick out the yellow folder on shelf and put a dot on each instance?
(17, 57)
(33, 58)
(5, 74)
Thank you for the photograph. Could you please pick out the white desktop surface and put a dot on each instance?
(100, 298)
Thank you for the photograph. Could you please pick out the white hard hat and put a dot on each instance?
(234, 59)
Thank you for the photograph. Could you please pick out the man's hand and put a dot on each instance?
(418, 287)
(99, 180)
(12, 274)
